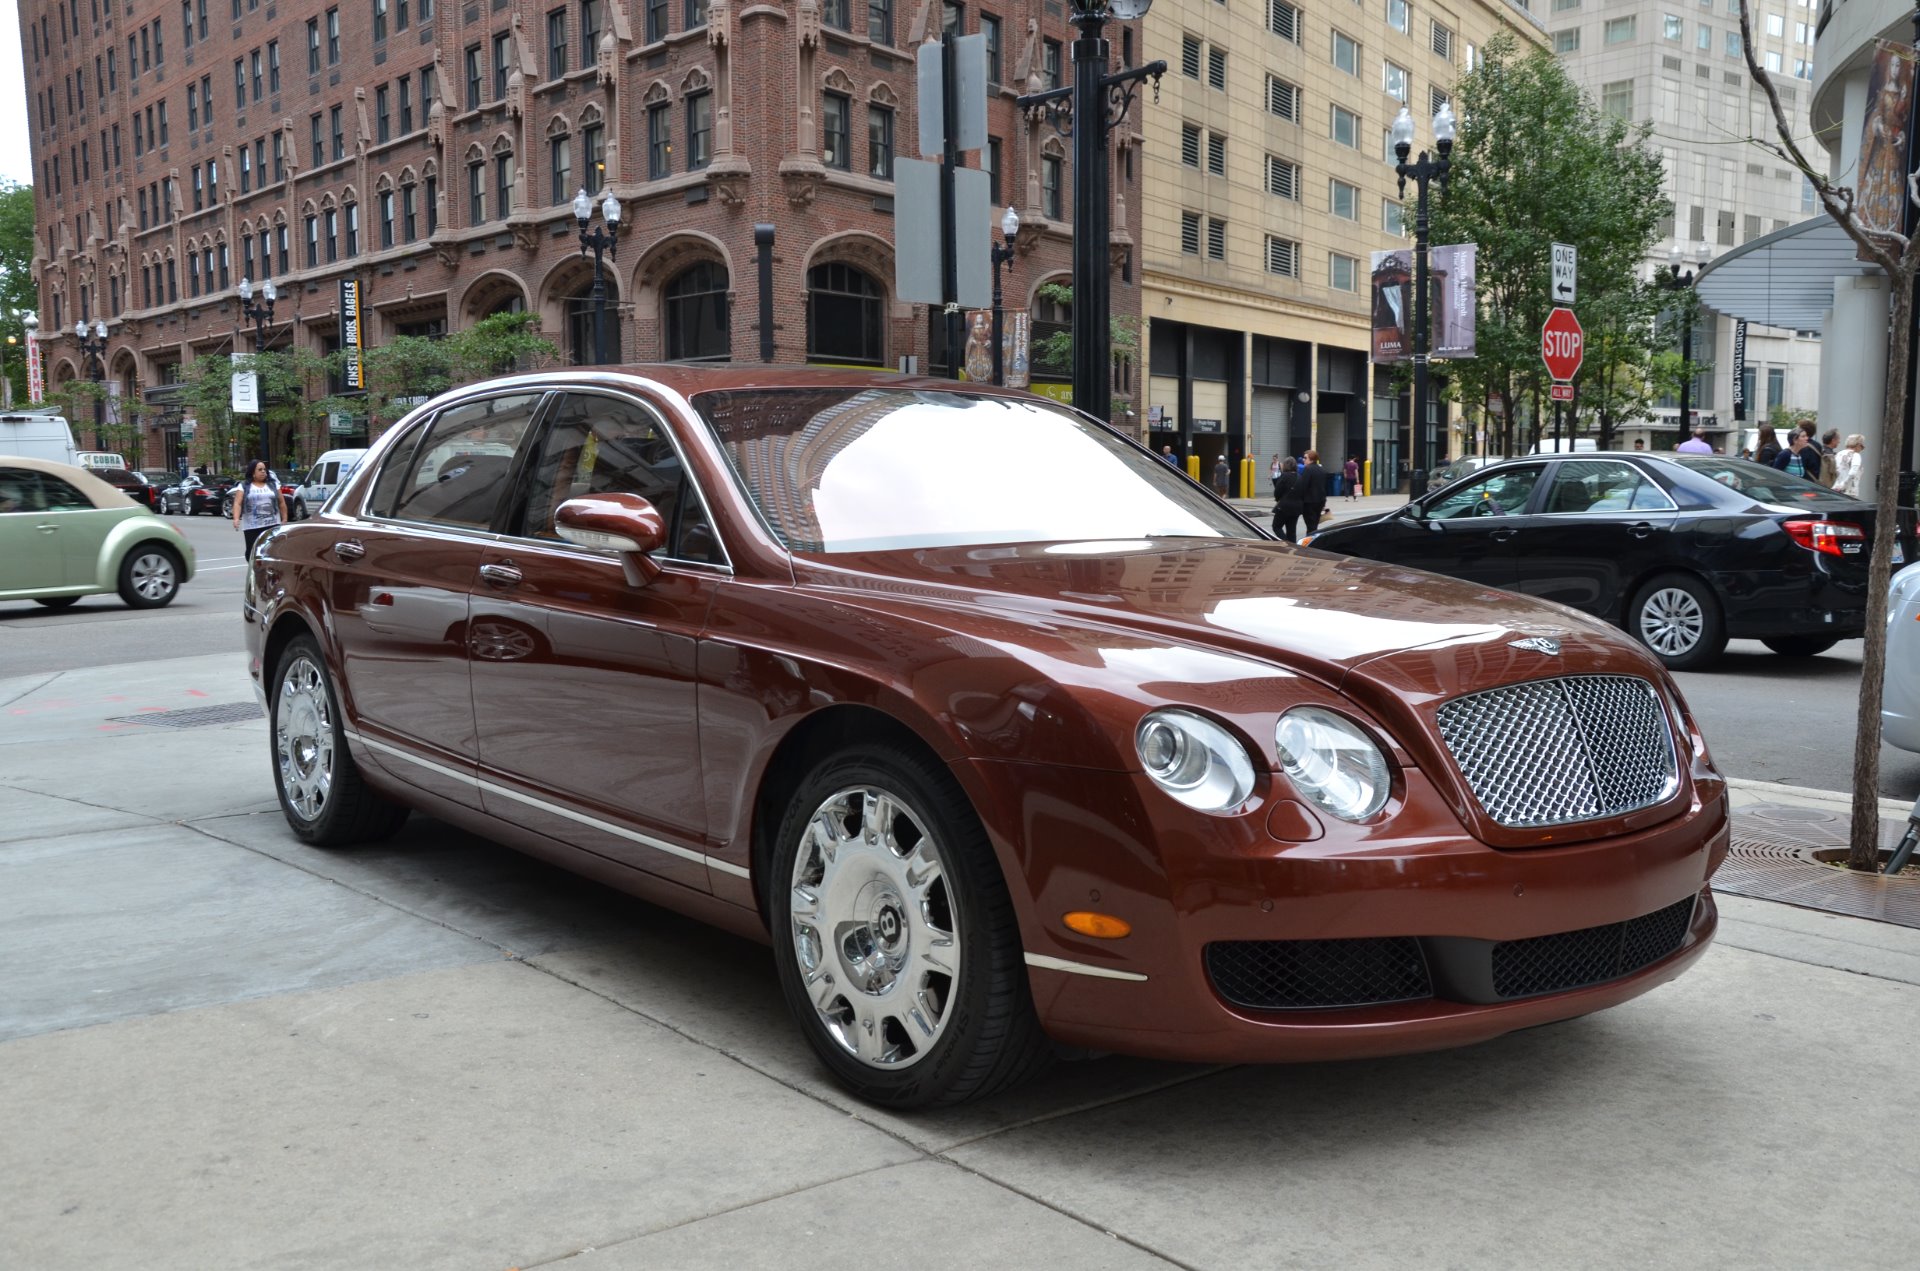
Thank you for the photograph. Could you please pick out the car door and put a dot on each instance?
(398, 583)
(584, 687)
(81, 529)
(1602, 524)
(29, 537)
(1467, 530)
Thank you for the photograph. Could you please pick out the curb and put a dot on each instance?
(1806, 796)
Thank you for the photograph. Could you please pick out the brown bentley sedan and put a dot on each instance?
(1007, 735)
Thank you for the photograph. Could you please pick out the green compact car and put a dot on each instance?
(65, 533)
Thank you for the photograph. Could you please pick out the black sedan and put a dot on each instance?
(1684, 551)
(132, 484)
(195, 495)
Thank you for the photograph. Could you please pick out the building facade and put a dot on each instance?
(432, 149)
(1678, 65)
(1269, 184)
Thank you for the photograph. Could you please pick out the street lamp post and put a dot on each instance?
(6, 377)
(1088, 110)
(1680, 282)
(1424, 171)
(261, 315)
(96, 349)
(1002, 252)
(601, 241)
(30, 323)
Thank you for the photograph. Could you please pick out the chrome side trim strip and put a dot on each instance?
(605, 827)
(1044, 962)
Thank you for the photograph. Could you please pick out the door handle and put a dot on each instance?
(500, 575)
(1501, 536)
(347, 549)
(1640, 529)
(47, 529)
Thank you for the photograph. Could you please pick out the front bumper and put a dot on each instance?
(1187, 882)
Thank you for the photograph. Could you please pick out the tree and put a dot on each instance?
(1537, 163)
(498, 344)
(17, 293)
(1899, 256)
(287, 404)
(1055, 352)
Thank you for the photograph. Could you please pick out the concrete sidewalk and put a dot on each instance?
(221, 1048)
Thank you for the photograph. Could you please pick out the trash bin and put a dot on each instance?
(1419, 486)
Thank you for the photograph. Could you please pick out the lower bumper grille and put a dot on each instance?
(1289, 975)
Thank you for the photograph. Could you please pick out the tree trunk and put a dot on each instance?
(1864, 838)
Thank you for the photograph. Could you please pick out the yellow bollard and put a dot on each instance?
(1193, 466)
(1248, 474)
(1366, 477)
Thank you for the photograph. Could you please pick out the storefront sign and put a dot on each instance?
(1207, 425)
(36, 378)
(354, 377)
(1739, 371)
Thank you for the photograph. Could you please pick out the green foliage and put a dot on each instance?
(408, 370)
(17, 294)
(1536, 162)
(289, 407)
(94, 412)
(1054, 353)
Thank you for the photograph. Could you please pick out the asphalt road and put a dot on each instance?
(1766, 718)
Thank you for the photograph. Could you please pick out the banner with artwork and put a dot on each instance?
(1015, 333)
(1881, 196)
(1450, 317)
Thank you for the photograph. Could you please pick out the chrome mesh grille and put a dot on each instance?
(1553, 752)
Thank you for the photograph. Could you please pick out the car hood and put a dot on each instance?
(1369, 629)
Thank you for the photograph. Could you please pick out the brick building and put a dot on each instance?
(432, 149)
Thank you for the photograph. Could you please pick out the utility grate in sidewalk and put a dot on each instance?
(195, 716)
(1778, 853)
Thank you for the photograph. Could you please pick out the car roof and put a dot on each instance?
(100, 492)
(689, 378)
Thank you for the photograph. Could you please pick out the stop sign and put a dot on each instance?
(1562, 344)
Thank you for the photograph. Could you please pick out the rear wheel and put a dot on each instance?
(149, 576)
(322, 794)
(1678, 618)
(1799, 646)
(895, 938)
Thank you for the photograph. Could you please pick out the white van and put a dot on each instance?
(1566, 446)
(35, 435)
(94, 460)
(328, 471)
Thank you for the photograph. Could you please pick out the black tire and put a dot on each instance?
(349, 811)
(1678, 618)
(150, 575)
(1802, 646)
(987, 1037)
(57, 602)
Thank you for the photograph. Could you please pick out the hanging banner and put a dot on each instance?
(36, 379)
(246, 393)
(1740, 372)
(1881, 192)
(1014, 333)
(1450, 316)
(354, 377)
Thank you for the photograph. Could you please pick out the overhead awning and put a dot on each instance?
(1782, 279)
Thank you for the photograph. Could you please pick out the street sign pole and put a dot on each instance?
(949, 239)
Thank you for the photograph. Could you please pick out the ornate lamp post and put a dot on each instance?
(1423, 171)
(1002, 252)
(261, 315)
(601, 241)
(96, 349)
(1088, 110)
(1680, 282)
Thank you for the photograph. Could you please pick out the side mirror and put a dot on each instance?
(1411, 512)
(623, 523)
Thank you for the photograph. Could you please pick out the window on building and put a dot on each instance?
(1283, 177)
(1216, 67)
(880, 21)
(992, 160)
(1440, 40)
(256, 74)
(1190, 233)
(273, 66)
(477, 192)
(353, 229)
(1399, 17)
(1216, 154)
(656, 20)
(386, 219)
(1190, 140)
(990, 28)
(1283, 99)
(1671, 27)
(503, 179)
(845, 316)
(1733, 44)
(1343, 200)
(836, 14)
(1723, 229)
(334, 127)
(408, 213)
(1772, 62)
(1049, 64)
(333, 37)
(1616, 99)
(1190, 55)
(589, 32)
(1050, 202)
(699, 131)
(239, 84)
(560, 170)
(593, 164)
(694, 14)
(1346, 53)
(880, 145)
(659, 141)
(193, 108)
(1283, 257)
(835, 130)
(331, 242)
(279, 156)
(382, 124)
(474, 80)
(1345, 127)
(696, 314)
(313, 240)
(379, 19)
(1394, 80)
(1619, 30)
(246, 170)
(501, 43)
(1567, 41)
(1342, 271)
(1393, 218)
(1216, 239)
(313, 46)
(1776, 388)
(556, 43)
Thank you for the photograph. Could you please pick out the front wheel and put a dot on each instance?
(322, 794)
(1678, 618)
(1799, 646)
(149, 576)
(894, 936)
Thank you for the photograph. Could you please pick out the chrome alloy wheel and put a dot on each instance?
(874, 927)
(153, 575)
(1671, 622)
(303, 738)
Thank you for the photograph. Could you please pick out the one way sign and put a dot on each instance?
(1565, 265)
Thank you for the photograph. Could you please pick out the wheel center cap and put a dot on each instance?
(888, 924)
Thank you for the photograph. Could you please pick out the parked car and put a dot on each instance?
(1900, 696)
(160, 478)
(991, 759)
(296, 506)
(1683, 551)
(326, 474)
(132, 484)
(65, 533)
(195, 495)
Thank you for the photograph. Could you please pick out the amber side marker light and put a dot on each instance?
(1099, 926)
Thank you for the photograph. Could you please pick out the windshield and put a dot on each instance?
(879, 469)
(1759, 482)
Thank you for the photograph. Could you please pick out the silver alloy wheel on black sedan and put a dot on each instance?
(303, 744)
(1678, 618)
(874, 927)
(1671, 622)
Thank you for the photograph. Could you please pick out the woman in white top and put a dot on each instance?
(1846, 464)
(258, 505)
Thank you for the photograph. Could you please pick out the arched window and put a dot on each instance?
(696, 314)
(845, 308)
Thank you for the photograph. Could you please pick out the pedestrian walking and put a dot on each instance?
(1273, 474)
(1829, 464)
(258, 505)
(1313, 491)
(1766, 448)
(1696, 444)
(1222, 476)
(1846, 466)
(1353, 477)
(1166, 452)
(1286, 501)
(1801, 458)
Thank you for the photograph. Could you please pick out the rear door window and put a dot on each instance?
(1602, 485)
(62, 496)
(20, 491)
(460, 471)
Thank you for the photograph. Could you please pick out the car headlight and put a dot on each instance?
(1332, 763)
(1195, 760)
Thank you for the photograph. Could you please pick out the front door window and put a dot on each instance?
(1501, 493)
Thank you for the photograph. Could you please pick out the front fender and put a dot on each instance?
(122, 538)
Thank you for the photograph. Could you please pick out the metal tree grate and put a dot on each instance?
(1773, 857)
(195, 716)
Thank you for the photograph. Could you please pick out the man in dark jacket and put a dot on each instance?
(1801, 458)
(1286, 501)
(1313, 491)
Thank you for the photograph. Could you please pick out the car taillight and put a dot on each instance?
(1830, 538)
